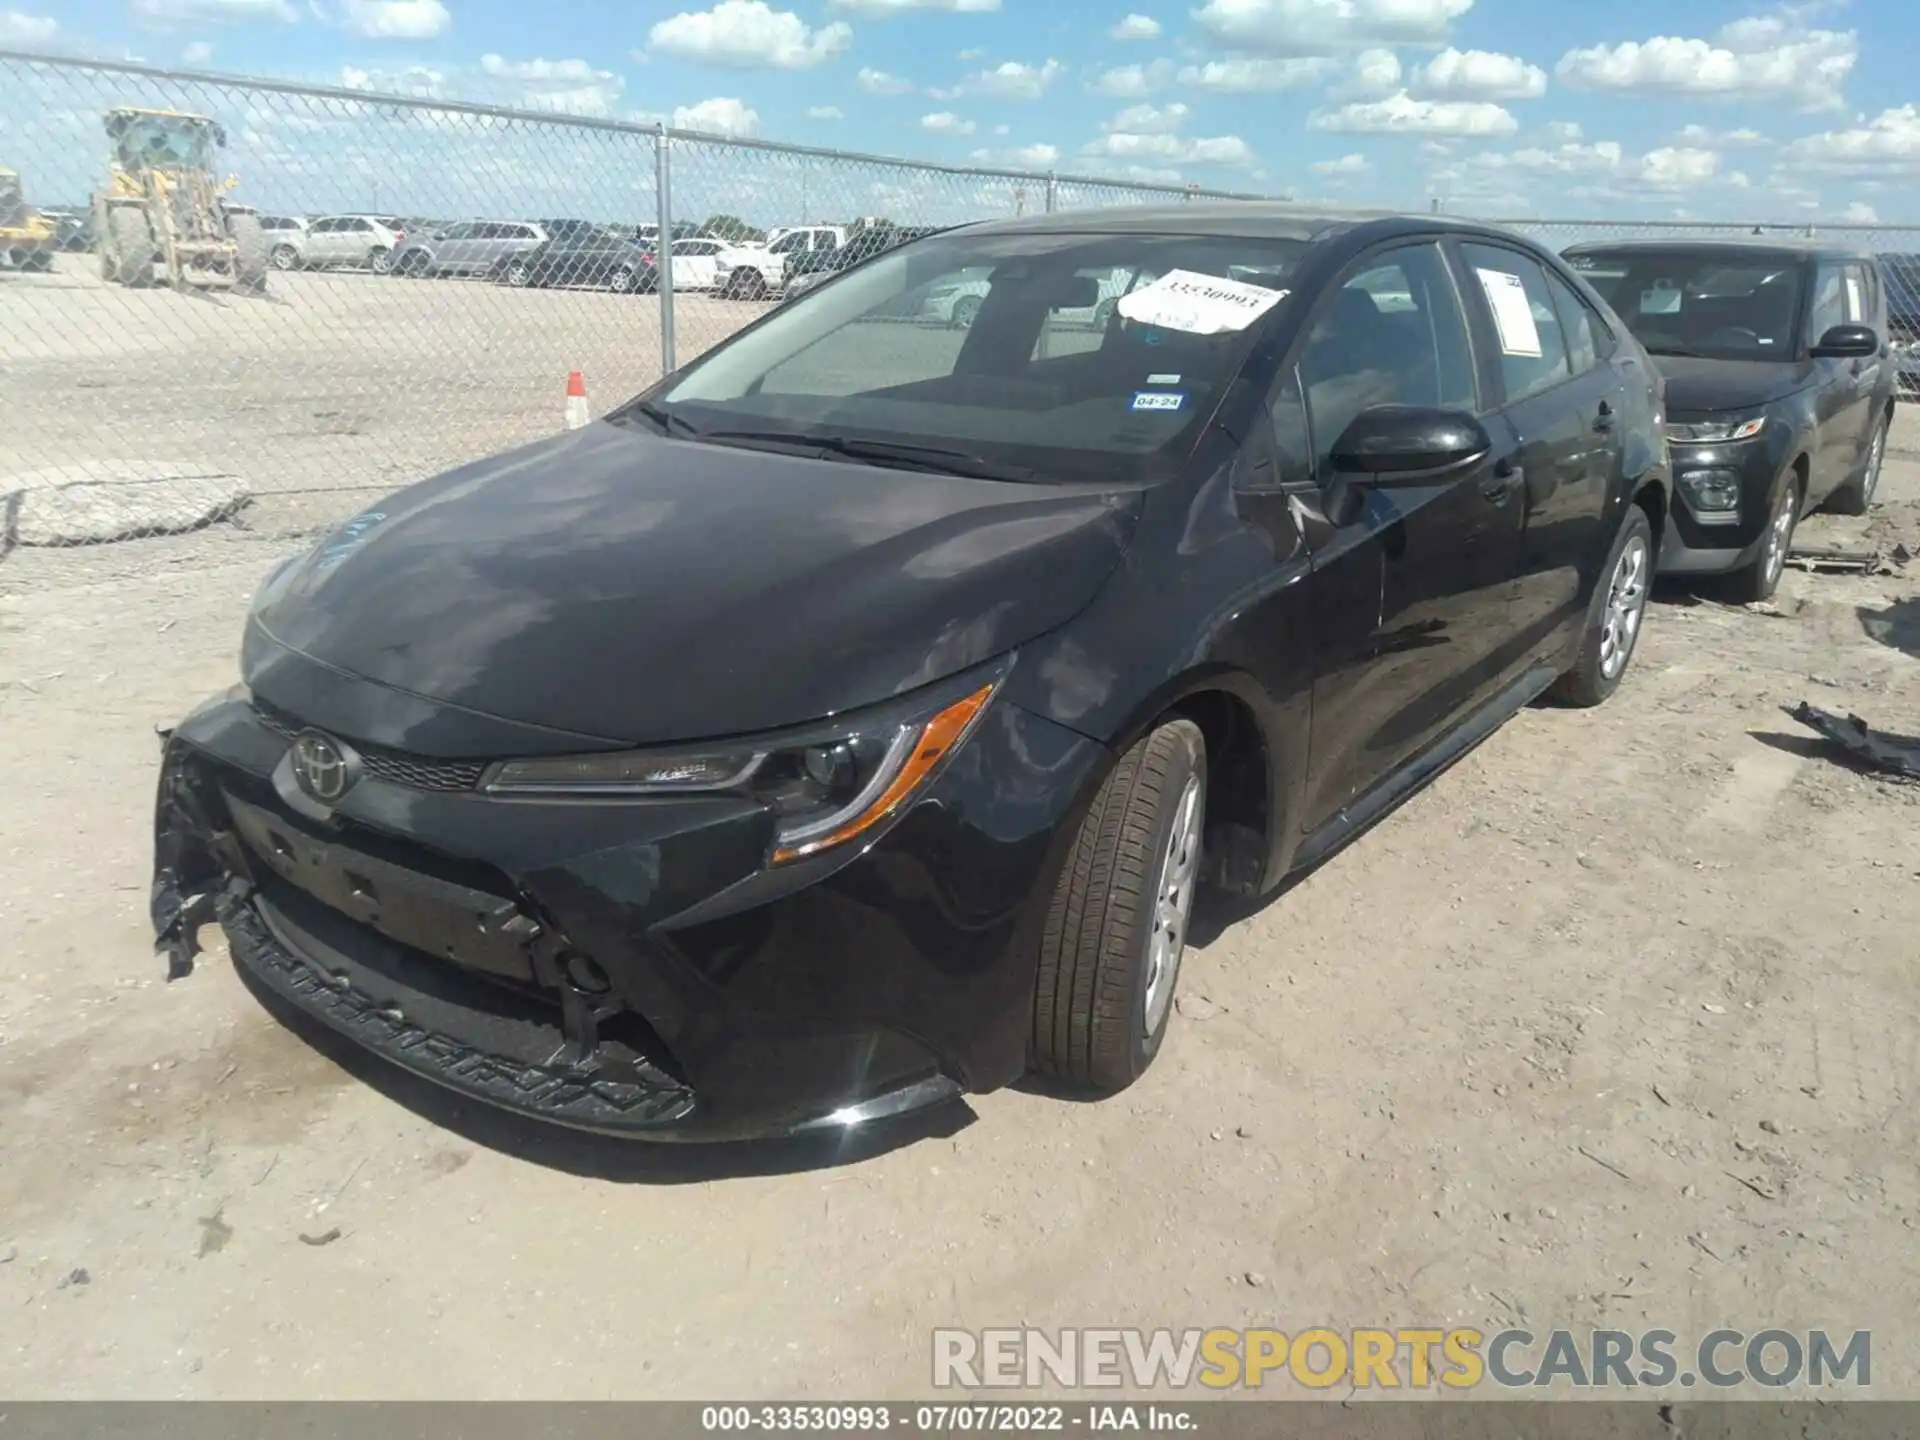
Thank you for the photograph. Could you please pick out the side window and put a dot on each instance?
(1392, 334)
(320, 227)
(1533, 350)
(1859, 297)
(464, 231)
(786, 245)
(1292, 441)
(359, 225)
(1577, 324)
(1829, 306)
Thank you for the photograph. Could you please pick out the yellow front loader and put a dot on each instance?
(162, 215)
(27, 238)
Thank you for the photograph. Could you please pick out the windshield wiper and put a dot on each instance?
(665, 418)
(936, 459)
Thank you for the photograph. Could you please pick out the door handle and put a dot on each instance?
(1507, 477)
(1603, 417)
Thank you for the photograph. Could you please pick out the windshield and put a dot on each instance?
(1716, 307)
(160, 140)
(1014, 352)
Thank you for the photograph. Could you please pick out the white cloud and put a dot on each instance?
(972, 52)
(1562, 130)
(1320, 27)
(1675, 168)
(1608, 172)
(823, 112)
(1401, 114)
(1375, 72)
(722, 115)
(1136, 27)
(1887, 145)
(198, 53)
(1345, 165)
(1012, 81)
(945, 122)
(1221, 150)
(1148, 119)
(879, 82)
(1478, 75)
(880, 9)
(1023, 156)
(1247, 74)
(1756, 59)
(1701, 137)
(397, 19)
(1860, 213)
(748, 35)
(19, 29)
(571, 87)
(1128, 81)
(1572, 158)
(174, 12)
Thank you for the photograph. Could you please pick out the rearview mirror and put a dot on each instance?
(1386, 443)
(1847, 342)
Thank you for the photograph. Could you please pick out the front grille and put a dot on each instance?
(416, 772)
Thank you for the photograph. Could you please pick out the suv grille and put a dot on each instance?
(416, 772)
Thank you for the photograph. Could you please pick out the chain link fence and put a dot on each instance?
(368, 287)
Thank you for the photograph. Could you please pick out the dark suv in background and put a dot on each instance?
(1779, 383)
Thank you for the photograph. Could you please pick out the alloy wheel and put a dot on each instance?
(1780, 535)
(1172, 904)
(518, 274)
(1874, 458)
(1626, 604)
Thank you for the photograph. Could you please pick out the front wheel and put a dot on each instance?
(1116, 927)
(1759, 578)
(380, 261)
(1613, 617)
(284, 257)
(622, 280)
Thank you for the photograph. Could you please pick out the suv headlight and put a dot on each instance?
(1715, 432)
(826, 786)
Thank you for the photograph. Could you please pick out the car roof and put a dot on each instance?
(1251, 219)
(1744, 248)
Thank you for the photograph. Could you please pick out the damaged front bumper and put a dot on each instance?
(623, 968)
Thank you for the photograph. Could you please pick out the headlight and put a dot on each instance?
(825, 787)
(1715, 432)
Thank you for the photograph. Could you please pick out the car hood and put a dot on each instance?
(615, 584)
(1704, 386)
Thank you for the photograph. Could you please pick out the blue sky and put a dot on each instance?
(1632, 109)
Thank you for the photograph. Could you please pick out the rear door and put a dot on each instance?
(323, 242)
(1563, 402)
(457, 248)
(1430, 567)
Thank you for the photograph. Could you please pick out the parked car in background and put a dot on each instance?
(1779, 386)
(468, 247)
(286, 237)
(703, 263)
(815, 268)
(353, 240)
(749, 272)
(812, 238)
(1902, 274)
(569, 229)
(841, 726)
(583, 257)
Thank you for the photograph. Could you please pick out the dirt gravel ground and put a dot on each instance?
(1615, 1024)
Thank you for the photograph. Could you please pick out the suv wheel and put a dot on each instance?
(1759, 579)
(1856, 495)
(1117, 924)
(284, 257)
(1614, 615)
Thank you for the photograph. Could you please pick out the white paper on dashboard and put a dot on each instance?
(1198, 304)
(1512, 312)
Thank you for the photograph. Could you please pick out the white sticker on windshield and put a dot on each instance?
(1512, 314)
(1163, 379)
(1198, 304)
(1662, 299)
(1855, 310)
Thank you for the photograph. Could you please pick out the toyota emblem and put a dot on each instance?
(323, 767)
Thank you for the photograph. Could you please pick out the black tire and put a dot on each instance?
(1760, 577)
(380, 260)
(41, 260)
(284, 257)
(1856, 496)
(413, 265)
(1091, 1025)
(518, 274)
(249, 251)
(623, 279)
(1608, 639)
(132, 247)
(747, 285)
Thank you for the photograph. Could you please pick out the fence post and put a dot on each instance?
(663, 250)
(1053, 192)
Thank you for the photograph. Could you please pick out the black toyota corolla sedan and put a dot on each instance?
(848, 721)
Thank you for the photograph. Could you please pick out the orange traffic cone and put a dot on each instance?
(577, 412)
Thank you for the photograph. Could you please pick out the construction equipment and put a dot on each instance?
(27, 238)
(163, 216)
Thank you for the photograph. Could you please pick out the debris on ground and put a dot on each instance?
(325, 1237)
(1839, 559)
(1896, 754)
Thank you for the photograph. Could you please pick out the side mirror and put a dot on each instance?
(1847, 342)
(1385, 444)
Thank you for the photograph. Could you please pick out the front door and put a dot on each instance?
(1432, 563)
